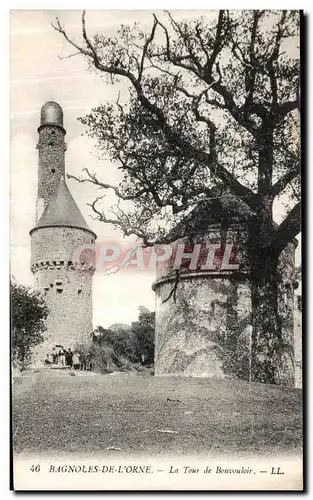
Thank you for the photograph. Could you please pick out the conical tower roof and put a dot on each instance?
(62, 210)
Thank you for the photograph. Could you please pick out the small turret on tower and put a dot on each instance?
(51, 147)
(51, 114)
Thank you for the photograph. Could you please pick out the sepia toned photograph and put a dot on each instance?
(155, 250)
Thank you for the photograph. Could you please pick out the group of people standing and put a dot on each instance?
(63, 357)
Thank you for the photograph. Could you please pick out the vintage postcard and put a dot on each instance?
(156, 339)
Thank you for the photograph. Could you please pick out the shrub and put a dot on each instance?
(120, 347)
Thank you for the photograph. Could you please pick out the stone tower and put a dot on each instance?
(59, 233)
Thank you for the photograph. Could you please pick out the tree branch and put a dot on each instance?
(207, 73)
(285, 108)
(127, 229)
(288, 229)
(272, 59)
(112, 70)
(282, 183)
(146, 46)
(94, 180)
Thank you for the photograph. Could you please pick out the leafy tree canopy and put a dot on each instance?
(207, 102)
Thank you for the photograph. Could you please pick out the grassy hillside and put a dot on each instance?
(59, 413)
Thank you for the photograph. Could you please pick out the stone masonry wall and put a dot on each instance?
(51, 165)
(208, 306)
(68, 295)
(188, 331)
(211, 312)
(58, 243)
(286, 312)
(66, 285)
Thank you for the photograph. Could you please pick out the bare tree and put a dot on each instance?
(208, 103)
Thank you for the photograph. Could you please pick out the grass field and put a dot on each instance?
(58, 413)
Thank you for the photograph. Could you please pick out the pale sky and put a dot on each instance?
(37, 76)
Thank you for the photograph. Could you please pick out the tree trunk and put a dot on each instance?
(270, 351)
(265, 324)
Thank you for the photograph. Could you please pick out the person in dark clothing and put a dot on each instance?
(89, 361)
(69, 357)
(82, 361)
(54, 356)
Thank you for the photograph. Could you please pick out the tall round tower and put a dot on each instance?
(59, 233)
